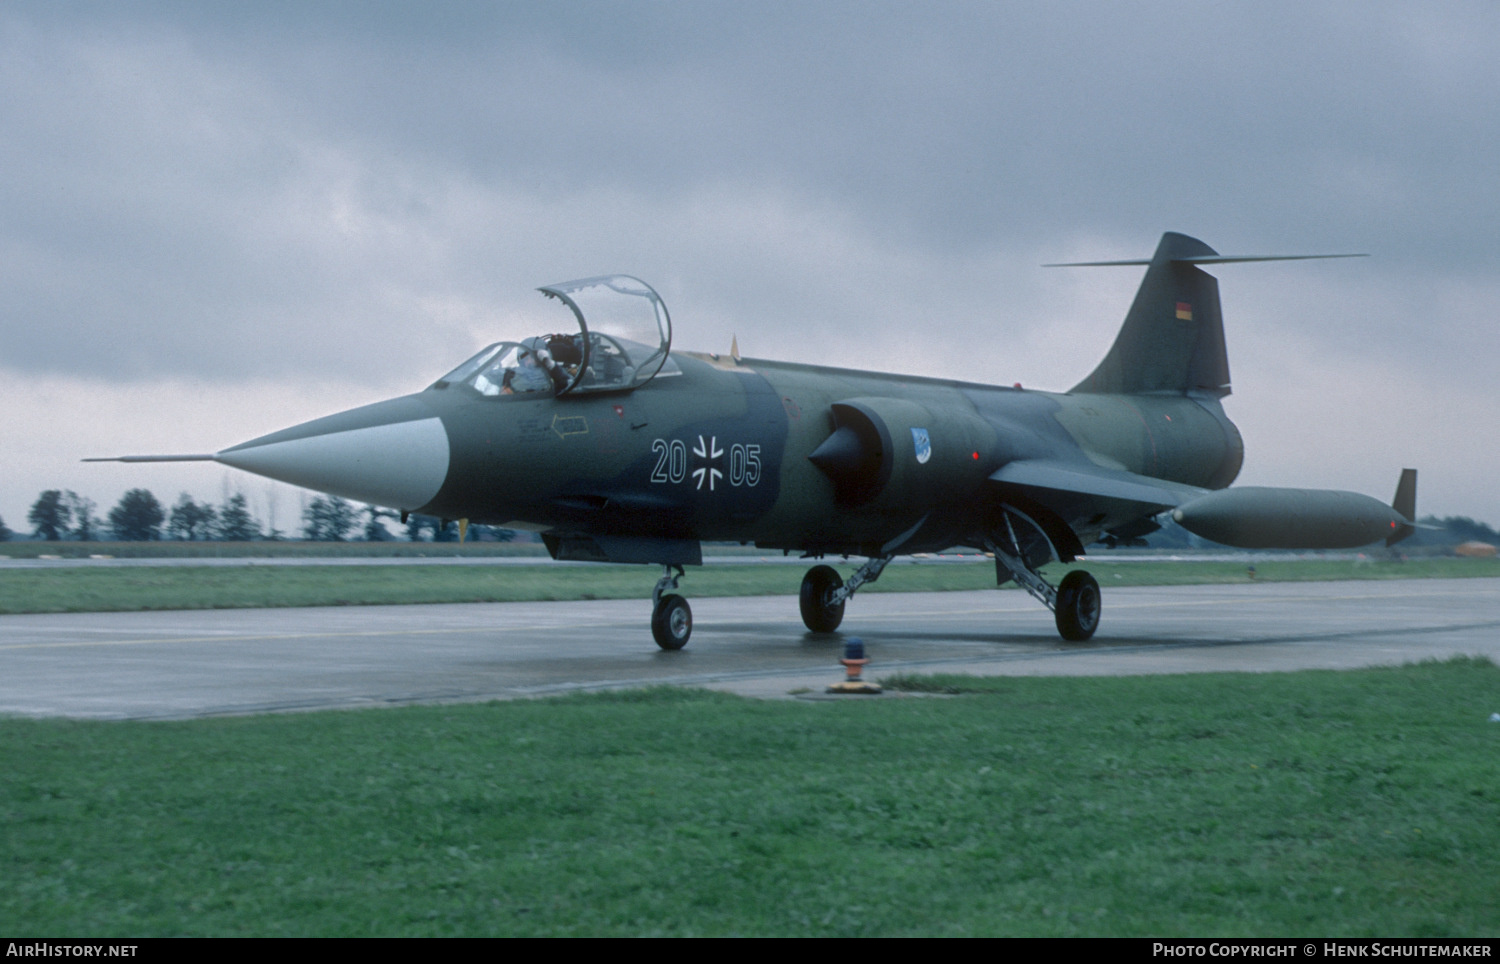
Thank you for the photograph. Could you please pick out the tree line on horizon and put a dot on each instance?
(63, 515)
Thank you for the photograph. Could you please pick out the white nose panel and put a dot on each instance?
(401, 465)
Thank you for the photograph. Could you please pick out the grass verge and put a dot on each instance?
(1359, 803)
(281, 549)
(86, 589)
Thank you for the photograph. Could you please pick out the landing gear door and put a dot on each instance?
(624, 333)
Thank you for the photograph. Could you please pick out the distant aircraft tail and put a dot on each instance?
(1406, 504)
(1172, 341)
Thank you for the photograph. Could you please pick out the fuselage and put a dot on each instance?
(616, 449)
(719, 451)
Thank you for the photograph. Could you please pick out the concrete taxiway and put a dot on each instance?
(166, 665)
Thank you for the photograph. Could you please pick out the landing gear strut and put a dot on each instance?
(824, 593)
(1075, 602)
(671, 616)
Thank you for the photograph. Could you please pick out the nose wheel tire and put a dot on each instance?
(1078, 606)
(818, 614)
(672, 622)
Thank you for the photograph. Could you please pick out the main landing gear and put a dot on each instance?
(671, 616)
(1075, 603)
(824, 593)
(1078, 606)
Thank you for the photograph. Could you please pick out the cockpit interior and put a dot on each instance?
(618, 318)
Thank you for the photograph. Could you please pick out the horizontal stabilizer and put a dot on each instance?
(1205, 259)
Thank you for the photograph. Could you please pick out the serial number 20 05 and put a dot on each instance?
(707, 458)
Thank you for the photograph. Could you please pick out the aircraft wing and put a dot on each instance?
(1067, 500)
(1071, 480)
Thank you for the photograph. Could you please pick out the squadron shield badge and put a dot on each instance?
(922, 444)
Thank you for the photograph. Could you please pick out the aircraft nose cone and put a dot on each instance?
(391, 453)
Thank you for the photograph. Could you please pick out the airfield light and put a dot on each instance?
(854, 661)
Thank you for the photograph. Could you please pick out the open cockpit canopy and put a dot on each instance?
(623, 339)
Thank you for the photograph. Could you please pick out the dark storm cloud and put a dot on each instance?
(962, 123)
(189, 182)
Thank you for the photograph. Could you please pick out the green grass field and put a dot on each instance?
(1317, 804)
(233, 587)
(281, 549)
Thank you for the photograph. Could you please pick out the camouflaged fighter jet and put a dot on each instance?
(617, 449)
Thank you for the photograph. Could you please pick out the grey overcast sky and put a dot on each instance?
(219, 219)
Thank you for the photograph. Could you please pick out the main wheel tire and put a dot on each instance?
(818, 614)
(672, 622)
(1078, 606)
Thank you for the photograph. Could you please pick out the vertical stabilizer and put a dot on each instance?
(1173, 337)
(1406, 504)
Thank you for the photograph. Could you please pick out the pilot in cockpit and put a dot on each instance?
(526, 376)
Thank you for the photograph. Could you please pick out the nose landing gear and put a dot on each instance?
(671, 616)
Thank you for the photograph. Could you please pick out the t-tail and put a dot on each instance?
(1172, 341)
